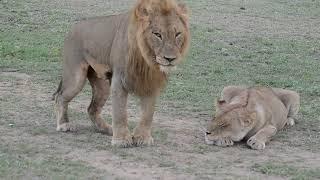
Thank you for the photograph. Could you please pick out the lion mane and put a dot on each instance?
(144, 77)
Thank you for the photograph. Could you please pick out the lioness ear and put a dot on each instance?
(221, 103)
(243, 97)
(253, 115)
(247, 122)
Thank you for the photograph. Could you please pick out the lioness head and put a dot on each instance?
(162, 32)
(231, 123)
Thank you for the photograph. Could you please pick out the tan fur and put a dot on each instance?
(145, 77)
(255, 114)
(121, 54)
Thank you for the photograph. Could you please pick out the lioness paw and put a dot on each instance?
(224, 142)
(65, 127)
(254, 143)
(124, 142)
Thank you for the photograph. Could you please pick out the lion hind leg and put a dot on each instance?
(73, 81)
(100, 94)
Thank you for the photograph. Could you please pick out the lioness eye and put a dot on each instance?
(178, 34)
(158, 35)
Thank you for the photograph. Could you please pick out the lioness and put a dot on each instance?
(139, 48)
(255, 114)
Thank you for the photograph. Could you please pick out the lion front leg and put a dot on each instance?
(121, 134)
(142, 133)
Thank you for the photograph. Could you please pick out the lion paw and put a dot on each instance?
(254, 143)
(142, 136)
(124, 142)
(65, 127)
(290, 122)
(224, 142)
(142, 140)
(107, 129)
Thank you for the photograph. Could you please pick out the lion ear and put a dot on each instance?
(183, 8)
(141, 10)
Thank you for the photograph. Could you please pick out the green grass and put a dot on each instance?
(24, 162)
(12, 167)
(285, 170)
(221, 54)
(212, 62)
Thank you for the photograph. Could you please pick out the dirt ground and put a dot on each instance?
(30, 148)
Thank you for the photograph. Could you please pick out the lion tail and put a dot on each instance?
(57, 91)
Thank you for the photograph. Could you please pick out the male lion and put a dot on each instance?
(255, 114)
(137, 50)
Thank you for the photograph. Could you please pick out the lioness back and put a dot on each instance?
(268, 104)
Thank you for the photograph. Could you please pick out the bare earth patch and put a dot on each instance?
(236, 42)
(179, 152)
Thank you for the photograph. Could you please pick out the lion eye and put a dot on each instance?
(178, 34)
(158, 35)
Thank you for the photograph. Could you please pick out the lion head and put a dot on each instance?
(161, 31)
(231, 124)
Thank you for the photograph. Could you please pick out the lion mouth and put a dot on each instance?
(166, 64)
(162, 62)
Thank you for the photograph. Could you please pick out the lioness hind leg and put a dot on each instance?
(100, 94)
(291, 100)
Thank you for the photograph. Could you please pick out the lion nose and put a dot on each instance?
(170, 59)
